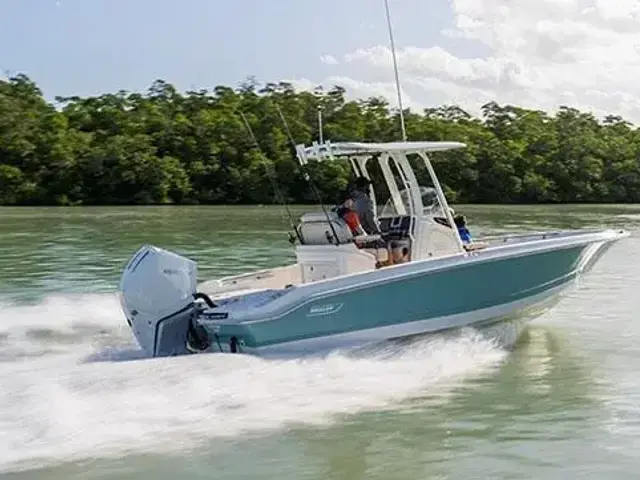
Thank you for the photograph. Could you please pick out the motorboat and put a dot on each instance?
(342, 290)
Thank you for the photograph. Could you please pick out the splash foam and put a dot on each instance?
(55, 407)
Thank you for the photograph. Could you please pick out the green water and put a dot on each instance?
(77, 402)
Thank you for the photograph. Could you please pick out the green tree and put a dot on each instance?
(165, 146)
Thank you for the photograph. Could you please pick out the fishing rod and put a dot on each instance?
(272, 178)
(307, 176)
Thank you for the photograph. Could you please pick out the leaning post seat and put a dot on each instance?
(314, 229)
(398, 227)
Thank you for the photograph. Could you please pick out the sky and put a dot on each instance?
(535, 54)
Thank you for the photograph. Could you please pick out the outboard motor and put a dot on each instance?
(157, 295)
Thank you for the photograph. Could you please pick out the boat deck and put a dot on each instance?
(234, 305)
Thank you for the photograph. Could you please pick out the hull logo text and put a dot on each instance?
(327, 309)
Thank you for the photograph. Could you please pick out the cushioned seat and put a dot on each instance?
(315, 229)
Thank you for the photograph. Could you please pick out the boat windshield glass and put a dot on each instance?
(430, 203)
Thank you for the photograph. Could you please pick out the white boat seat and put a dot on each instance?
(315, 229)
(318, 216)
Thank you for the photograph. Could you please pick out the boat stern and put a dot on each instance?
(157, 296)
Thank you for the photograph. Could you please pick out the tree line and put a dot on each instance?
(164, 146)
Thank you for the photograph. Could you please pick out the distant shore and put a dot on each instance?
(166, 147)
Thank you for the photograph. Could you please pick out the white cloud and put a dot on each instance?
(329, 60)
(359, 89)
(585, 53)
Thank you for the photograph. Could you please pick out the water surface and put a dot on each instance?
(78, 401)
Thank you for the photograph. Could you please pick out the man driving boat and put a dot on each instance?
(364, 205)
(348, 214)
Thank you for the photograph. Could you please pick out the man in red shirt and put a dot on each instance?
(349, 215)
(363, 205)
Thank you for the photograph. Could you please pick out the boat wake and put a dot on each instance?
(74, 385)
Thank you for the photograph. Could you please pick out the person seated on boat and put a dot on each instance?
(397, 255)
(347, 212)
(364, 205)
(467, 242)
(463, 231)
(400, 255)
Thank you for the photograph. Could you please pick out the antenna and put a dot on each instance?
(307, 177)
(395, 69)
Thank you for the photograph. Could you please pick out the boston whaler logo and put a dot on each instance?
(326, 309)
